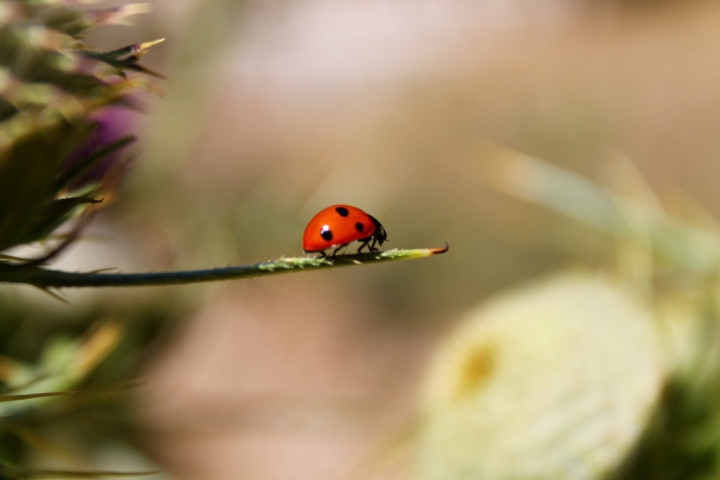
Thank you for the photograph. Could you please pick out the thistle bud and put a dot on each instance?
(557, 381)
(60, 127)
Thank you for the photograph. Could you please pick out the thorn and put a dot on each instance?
(103, 270)
(55, 294)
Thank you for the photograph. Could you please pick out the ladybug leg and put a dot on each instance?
(322, 254)
(372, 245)
(363, 245)
(338, 249)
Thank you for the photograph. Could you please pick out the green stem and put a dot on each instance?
(44, 278)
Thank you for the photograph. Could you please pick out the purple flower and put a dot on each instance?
(113, 123)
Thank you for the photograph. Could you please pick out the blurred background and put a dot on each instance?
(274, 110)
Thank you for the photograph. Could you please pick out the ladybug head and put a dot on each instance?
(380, 235)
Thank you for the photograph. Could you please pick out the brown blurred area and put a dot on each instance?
(275, 110)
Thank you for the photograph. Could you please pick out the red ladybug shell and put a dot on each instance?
(339, 225)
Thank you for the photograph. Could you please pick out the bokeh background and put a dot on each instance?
(274, 110)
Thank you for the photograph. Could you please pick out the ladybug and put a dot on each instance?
(339, 225)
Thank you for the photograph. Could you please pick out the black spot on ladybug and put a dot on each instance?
(359, 227)
(326, 233)
(342, 211)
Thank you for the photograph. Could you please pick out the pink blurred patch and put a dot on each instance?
(113, 123)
